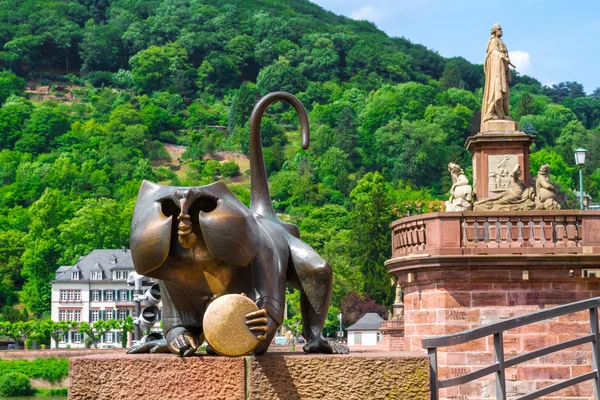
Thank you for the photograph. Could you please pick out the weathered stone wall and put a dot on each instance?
(403, 376)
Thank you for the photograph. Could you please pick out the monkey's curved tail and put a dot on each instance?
(260, 200)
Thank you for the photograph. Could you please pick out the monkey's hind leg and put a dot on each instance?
(315, 281)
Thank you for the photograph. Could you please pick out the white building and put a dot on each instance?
(94, 288)
(366, 332)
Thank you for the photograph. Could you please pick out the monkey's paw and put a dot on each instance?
(324, 346)
(257, 323)
(182, 343)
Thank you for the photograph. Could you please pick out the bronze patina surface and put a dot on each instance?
(226, 327)
(203, 243)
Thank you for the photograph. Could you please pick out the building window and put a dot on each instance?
(124, 294)
(357, 338)
(78, 315)
(109, 295)
(109, 337)
(95, 295)
(109, 314)
(120, 275)
(113, 260)
(123, 314)
(62, 315)
(77, 337)
(379, 337)
(70, 295)
(75, 275)
(96, 275)
(95, 315)
(70, 315)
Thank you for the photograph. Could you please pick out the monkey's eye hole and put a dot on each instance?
(169, 208)
(205, 204)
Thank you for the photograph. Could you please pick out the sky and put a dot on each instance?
(551, 40)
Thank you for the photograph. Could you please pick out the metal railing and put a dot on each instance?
(500, 364)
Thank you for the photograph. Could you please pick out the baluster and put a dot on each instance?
(493, 232)
(481, 232)
(572, 236)
(537, 232)
(559, 231)
(515, 231)
(421, 236)
(470, 232)
(549, 232)
(503, 231)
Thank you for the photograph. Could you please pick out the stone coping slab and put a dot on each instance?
(285, 376)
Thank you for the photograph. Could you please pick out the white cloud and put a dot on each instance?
(368, 13)
(521, 60)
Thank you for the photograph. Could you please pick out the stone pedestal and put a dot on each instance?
(495, 153)
(464, 270)
(500, 126)
(283, 376)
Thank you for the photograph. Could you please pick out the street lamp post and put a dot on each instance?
(580, 161)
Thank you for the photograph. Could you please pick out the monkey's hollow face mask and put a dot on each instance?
(206, 222)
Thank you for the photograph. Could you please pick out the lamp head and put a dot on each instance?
(580, 157)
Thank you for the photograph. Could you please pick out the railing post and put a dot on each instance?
(433, 375)
(499, 358)
(595, 354)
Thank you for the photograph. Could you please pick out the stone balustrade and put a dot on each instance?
(512, 232)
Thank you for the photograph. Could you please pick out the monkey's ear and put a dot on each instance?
(230, 231)
(150, 235)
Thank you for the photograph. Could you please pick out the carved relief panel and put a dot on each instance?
(499, 171)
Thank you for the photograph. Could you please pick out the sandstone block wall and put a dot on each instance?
(462, 300)
(277, 376)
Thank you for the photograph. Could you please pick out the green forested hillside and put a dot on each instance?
(92, 90)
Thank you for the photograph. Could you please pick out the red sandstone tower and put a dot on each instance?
(462, 270)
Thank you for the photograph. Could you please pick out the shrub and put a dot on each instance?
(15, 384)
(49, 369)
(229, 169)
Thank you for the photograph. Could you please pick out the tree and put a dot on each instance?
(18, 331)
(96, 330)
(280, 76)
(10, 84)
(563, 90)
(355, 306)
(101, 48)
(451, 78)
(153, 69)
(370, 225)
(125, 325)
(13, 114)
(411, 151)
(43, 127)
(98, 224)
(587, 110)
(56, 330)
(347, 134)
(242, 104)
(333, 169)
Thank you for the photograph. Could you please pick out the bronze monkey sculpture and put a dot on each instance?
(221, 247)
